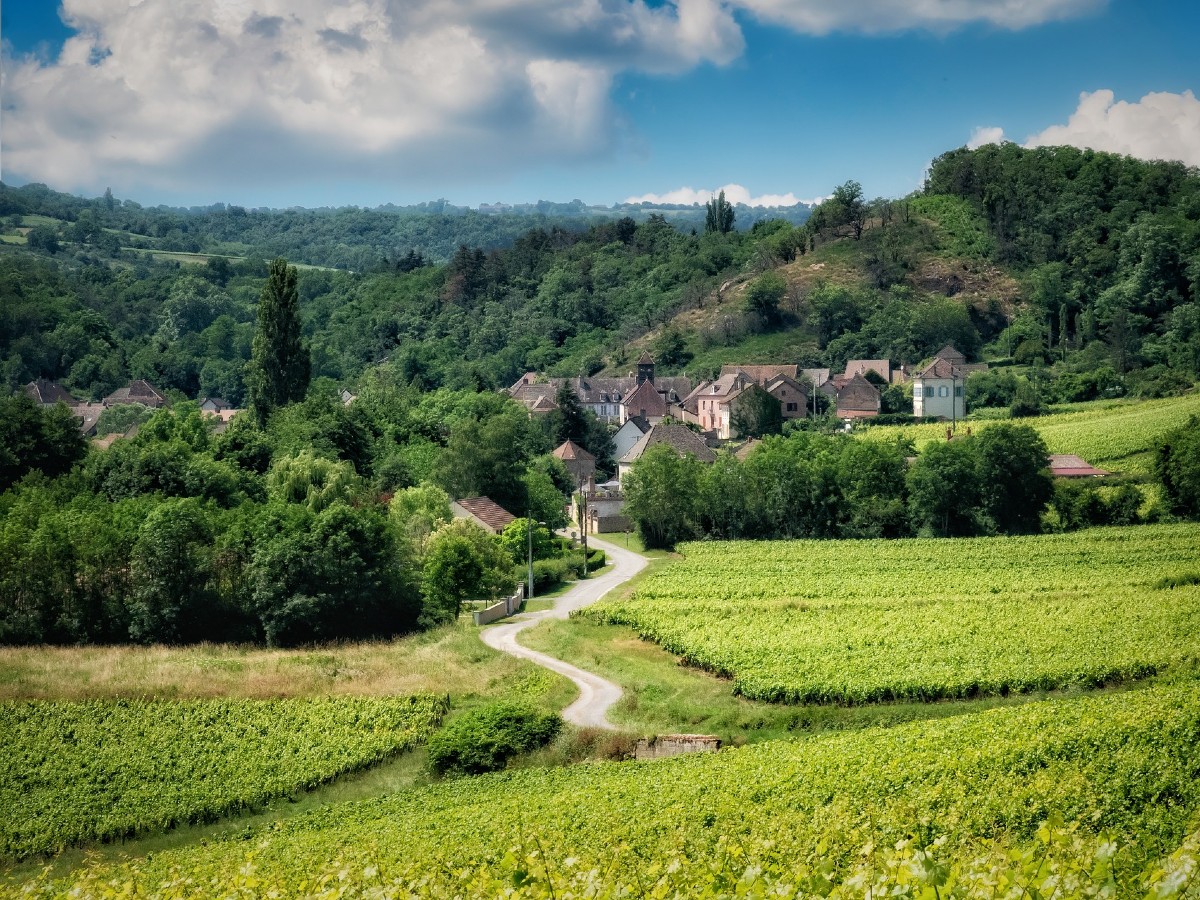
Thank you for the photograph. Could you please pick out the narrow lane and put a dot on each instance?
(596, 695)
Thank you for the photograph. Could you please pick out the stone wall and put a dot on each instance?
(675, 744)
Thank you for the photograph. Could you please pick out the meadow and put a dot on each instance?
(1094, 792)
(1118, 435)
(850, 622)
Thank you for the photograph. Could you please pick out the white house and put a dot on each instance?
(938, 390)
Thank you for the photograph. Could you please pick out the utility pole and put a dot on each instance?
(529, 532)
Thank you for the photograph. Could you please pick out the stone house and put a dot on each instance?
(939, 388)
(857, 398)
(137, 391)
(580, 463)
(681, 439)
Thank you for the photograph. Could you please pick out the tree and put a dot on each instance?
(33, 438)
(763, 295)
(313, 480)
(718, 215)
(568, 421)
(170, 574)
(1014, 480)
(1177, 465)
(662, 493)
(418, 511)
(462, 562)
(756, 413)
(279, 369)
(849, 207)
(944, 489)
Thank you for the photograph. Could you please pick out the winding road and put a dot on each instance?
(596, 695)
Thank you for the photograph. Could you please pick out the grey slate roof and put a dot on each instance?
(679, 438)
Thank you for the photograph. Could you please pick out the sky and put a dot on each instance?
(366, 102)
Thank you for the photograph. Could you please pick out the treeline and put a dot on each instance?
(813, 485)
(333, 522)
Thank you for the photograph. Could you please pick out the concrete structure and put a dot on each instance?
(665, 745)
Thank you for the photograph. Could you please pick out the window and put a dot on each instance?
(943, 391)
(917, 392)
(958, 390)
(791, 407)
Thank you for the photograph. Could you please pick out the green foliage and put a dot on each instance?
(756, 414)
(1177, 466)
(518, 537)
(462, 562)
(279, 367)
(762, 296)
(485, 739)
(661, 491)
(718, 215)
(944, 489)
(868, 621)
(32, 438)
(313, 480)
(119, 418)
(170, 571)
(1014, 479)
(1026, 402)
(76, 773)
(965, 806)
(419, 511)
(962, 232)
(334, 575)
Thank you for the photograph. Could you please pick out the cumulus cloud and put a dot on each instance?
(877, 16)
(165, 93)
(734, 193)
(1159, 126)
(187, 95)
(985, 135)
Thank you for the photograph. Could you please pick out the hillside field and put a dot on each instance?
(851, 622)
(959, 803)
(1118, 435)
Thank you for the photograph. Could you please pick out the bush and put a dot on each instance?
(549, 573)
(596, 560)
(485, 739)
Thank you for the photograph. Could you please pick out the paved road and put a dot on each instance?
(596, 694)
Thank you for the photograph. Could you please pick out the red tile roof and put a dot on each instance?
(487, 512)
(571, 450)
(1066, 465)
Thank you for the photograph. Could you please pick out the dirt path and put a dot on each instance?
(596, 694)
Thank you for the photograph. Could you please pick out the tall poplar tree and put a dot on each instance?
(718, 215)
(278, 371)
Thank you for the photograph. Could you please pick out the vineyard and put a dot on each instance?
(1096, 791)
(1115, 435)
(863, 621)
(75, 772)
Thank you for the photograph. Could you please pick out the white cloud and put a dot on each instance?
(877, 16)
(179, 93)
(985, 135)
(188, 96)
(734, 193)
(1159, 126)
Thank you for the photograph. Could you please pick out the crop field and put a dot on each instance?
(926, 619)
(76, 772)
(1091, 790)
(1115, 435)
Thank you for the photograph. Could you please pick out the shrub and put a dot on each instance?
(596, 560)
(485, 739)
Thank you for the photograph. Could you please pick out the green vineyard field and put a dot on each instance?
(957, 801)
(926, 619)
(78, 772)
(1116, 435)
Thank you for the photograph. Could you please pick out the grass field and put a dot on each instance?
(449, 660)
(889, 808)
(866, 621)
(1118, 435)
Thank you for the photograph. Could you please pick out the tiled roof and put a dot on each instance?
(138, 391)
(1065, 465)
(951, 355)
(492, 515)
(645, 359)
(817, 376)
(881, 367)
(571, 450)
(678, 437)
(542, 404)
(762, 374)
(857, 396)
(940, 368)
(645, 400)
(783, 381)
(47, 393)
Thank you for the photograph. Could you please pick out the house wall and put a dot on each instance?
(627, 435)
(939, 397)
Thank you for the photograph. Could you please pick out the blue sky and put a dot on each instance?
(310, 102)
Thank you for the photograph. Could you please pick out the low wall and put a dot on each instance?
(503, 608)
(675, 744)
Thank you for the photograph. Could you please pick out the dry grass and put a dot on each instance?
(450, 660)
